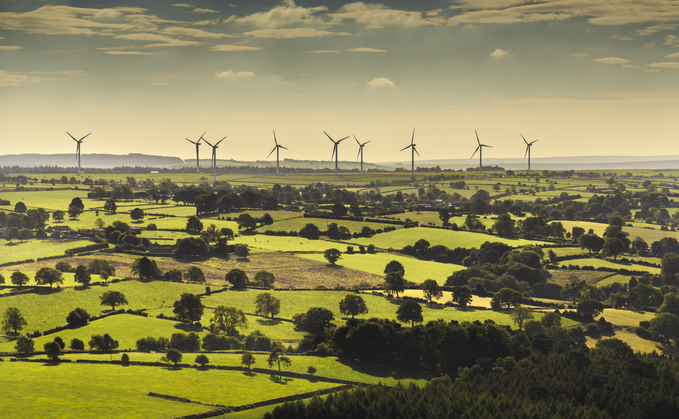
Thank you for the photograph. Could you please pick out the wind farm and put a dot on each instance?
(335, 149)
(480, 150)
(197, 143)
(277, 148)
(360, 151)
(214, 156)
(77, 150)
(528, 146)
(412, 152)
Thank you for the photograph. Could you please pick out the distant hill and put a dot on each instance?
(89, 160)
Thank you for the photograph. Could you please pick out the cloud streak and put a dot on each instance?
(290, 33)
(381, 82)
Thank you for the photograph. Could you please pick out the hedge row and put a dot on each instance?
(87, 248)
(17, 262)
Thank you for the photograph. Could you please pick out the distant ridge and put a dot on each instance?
(89, 160)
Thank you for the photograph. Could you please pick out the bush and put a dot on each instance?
(125, 359)
(77, 345)
(151, 226)
(593, 330)
(185, 342)
(202, 360)
(643, 333)
(78, 317)
(371, 248)
(63, 266)
(257, 341)
(215, 342)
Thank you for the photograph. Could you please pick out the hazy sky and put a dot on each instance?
(584, 77)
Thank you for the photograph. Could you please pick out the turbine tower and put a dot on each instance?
(214, 156)
(197, 143)
(77, 149)
(528, 146)
(480, 150)
(277, 148)
(360, 150)
(335, 152)
(413, 151)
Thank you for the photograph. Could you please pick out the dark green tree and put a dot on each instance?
(103, 343)
(409, 311)
(13, 320)
(431, 290)
(19, 278)
(113, 298)
(52, 350)
(49, 276)
(195, 274)
(82, 275)
(332, 255)
(353, 305)
(193, 225)
(589, 309)
(462, 295)
(266, 304)
(188, 308)
(238, 278)
(137, 214)
(145, 268)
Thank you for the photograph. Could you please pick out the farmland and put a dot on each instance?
(304, 278)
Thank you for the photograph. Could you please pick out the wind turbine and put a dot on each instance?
(413, 151)
(197, 143)
(276, 148)
(480, 150)
(214, 156)
(77, 149)
(335, 152)
(360, 150)
(528, 146)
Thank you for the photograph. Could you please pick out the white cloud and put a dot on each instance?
(675, 55)
(182, 5)
(128, 53)
(654, 29)
(379, 15)
(195, 33)
(366, 50)
(233, 48)
(10, 47)
(381, 82)
(319, 51)
(58, 20)
(107, 15)
(287, 14)
(162, 40)
(621, 37)
(670, 64)
(579, 54)
(234, 75)
(500, 53)
(17, 79)
(199, 10)
(612, 60)
(600, 12)
(294, 33)
(671, 40)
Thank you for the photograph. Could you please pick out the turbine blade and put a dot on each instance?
(208, 143)
(524, 140)
(274, 137)
(357, 141)
(220, 141)
(415, 150)
(85, 137)
(333, 152)
(365, 143)
(201, 137)
(192, 142)
(71, 136)
(534, 142)
(404, 148)
(339, 141)
(413, 137)
(359, 153)
(477, 137)
(329, 136)
(283, 147)
(477, 149)
(526, 153)
(274, 149)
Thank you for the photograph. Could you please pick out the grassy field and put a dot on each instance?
(623, 279)
(609, 263)
(33, 249)
(452, 239)
(416, 270)
(116, 391)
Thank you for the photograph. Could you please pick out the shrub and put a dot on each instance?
(77, 345)
(125, 359)
(78, 317)
(173, 356)
(257, 341)
(151, 226)
(202, 360)
(185, 341)
(371, 248)
(215, 342)
(24, 345)
(63, 266)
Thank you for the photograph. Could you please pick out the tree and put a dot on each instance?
(504, 226)
(665, 326)
(77, 344)
(591, 242)
(24, 345)
(241, 250)
(13, 320)
(431, 290)
(353, 305)
(173, 356)
(109, 206)
(191, 248)
(188, 308)
(193, 225)
(332, 255)
(173, 275)
(315, 320)
(227, 320)
(74, 212)
(670, 304)
(82, 275)
(589, 309)
(264, 279)
(573, 288)
(12, 233)
(245, 221)
(52, 350)
(506, 296)
(613, 246)
(521, 314)
(2, 279)
(19, 278)
(462, 296)
(20, 207)
(551, 319)
(276, 357)
(146, 268)
(202, 359)
(237, 277)
(99, 223)
(113, 298)
(78, 317)
(670, 265)
(58, 215)
(103, 343)
(309, 231)
(99, 266)
(137, 214)
(395, 266)
(409, 311)
(247, 359)
(48, 276)
(394, 283)
(195, 274)
(266, 304)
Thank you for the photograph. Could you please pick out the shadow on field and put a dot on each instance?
(667, 349)
(269, 322)
(249, 374)
(188, 327)
(384, 371)
(46, 291)
(279, 380)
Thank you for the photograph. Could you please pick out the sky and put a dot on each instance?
(583, 77)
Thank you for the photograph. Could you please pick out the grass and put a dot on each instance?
(623, 279)
(287, 244)
(416, 270)
(33, 249)
(452, 239)
(608, 263)
(562, 276)
(88, 390)
(625, 317)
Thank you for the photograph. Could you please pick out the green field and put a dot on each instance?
(416, 270)
(34, 249)
(609, 263)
